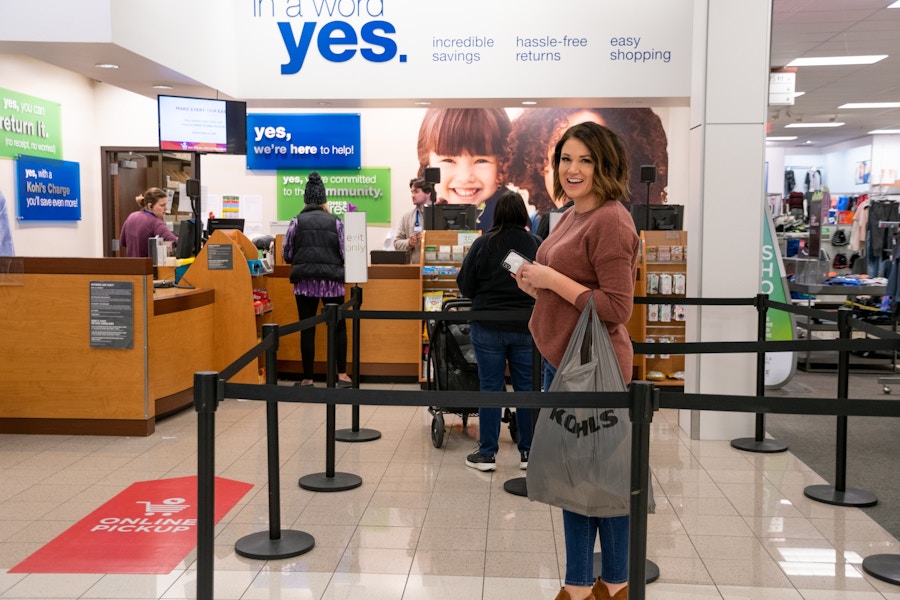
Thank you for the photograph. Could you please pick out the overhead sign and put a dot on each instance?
(48, 190)
(303, 141)
(782, 86)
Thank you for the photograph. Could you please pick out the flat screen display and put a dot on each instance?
(450, 216)
(202, 125)
(222, 223)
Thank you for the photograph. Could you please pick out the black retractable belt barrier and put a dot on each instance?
(644, 401)
(276, 543)
(206, 400)
(839, 494)
(517, 485)
(759, 443)
(330, 481)
(355, 434)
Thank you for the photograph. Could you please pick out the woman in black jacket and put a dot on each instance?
(484, 280)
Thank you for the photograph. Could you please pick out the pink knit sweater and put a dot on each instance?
(598, 249)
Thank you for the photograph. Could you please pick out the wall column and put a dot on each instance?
(729, 98)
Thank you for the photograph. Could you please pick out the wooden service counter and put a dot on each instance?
(89, 347)
(387, 348)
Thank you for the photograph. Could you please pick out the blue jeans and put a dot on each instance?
(581, 531)
(494, 349)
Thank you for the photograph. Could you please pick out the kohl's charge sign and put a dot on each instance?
(48, 189)
(291, 141)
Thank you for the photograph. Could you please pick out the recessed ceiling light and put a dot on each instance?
(831, 61)
(808, 142)
(106, 66)
(161, 86)
(781, 138)
(797, 94)
(423, 103)
(870, 105)
(895, 4)
(828, 124)
(529, 102)
(884, 131)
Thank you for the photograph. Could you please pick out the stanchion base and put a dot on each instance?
(751, 445)
(885, 567)
(516, 486)
(320, 482)
(261, 546)
(849, 497)
(360, 435)
(651, 570)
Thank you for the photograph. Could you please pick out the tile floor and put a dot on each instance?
(729, 524)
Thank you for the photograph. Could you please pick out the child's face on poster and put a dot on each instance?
(466, 179)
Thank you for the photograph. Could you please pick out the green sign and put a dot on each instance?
(365, 190)
(30, 126)
(779, 324)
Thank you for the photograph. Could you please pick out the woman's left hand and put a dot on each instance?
(533, 277)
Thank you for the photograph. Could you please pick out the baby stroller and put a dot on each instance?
(451, 360)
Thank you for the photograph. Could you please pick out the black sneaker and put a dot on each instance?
(482, 462)
(523, 460)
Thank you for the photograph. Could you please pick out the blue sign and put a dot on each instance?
(48, 189)
(290, 141)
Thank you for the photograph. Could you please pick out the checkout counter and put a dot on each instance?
(89, 346)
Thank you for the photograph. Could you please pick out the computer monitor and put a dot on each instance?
(450, 216)
(221, 223)
(661, 217)
(186, 239)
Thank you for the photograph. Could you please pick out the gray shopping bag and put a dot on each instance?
(581, 458)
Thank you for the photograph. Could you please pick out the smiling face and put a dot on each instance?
(466, 179)
(583, 116)
(576, 172)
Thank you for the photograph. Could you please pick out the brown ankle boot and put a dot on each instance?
(601, 593)
(563, 594)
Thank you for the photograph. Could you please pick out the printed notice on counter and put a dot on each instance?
(112, 314)
(219, 257)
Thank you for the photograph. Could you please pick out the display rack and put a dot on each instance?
(661, 277)
(439, 262)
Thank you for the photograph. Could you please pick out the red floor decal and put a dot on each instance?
(148, 528)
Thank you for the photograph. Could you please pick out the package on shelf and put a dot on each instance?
(678, 283)
(651, 253)
(677, 254)
(653, 283)
(434, 301)
(665, 283)
(664, 254)
(261, 302)
(430, 253)
(457, 252)
(444, 253)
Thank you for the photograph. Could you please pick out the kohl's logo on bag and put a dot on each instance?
(583, 427)
(337, 40)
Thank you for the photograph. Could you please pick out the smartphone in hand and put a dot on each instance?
(514, 261)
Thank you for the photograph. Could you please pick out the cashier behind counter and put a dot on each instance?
(141, 225)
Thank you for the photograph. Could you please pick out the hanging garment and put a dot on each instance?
(790, 182)
(813, 180)
(858, 227)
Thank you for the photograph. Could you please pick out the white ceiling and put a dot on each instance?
(801, 28)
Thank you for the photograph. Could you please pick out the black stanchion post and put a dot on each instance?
(355, 434)
(759, 443)
(276, 543)
(330, 481)
(839, 494)
(644, 400)
(517, 485)
(206, 400)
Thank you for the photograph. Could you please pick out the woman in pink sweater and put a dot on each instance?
(592, 252)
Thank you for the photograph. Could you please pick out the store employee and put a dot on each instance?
(141, 225)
